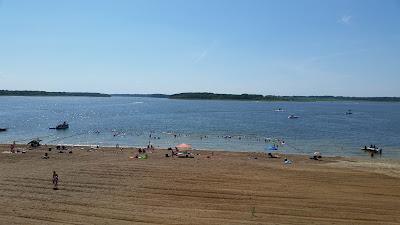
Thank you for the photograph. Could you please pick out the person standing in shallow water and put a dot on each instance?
(55, 180)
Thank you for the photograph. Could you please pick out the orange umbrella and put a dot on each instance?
(184, 146)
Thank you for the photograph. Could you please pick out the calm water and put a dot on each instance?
(322, 126)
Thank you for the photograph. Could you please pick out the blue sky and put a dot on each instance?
(284, 47)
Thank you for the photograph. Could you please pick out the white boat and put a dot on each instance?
(293, 117)
(373, 149)
(279, 110)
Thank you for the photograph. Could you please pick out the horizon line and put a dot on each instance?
(108, 93)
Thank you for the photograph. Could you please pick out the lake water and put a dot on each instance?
(322, 126)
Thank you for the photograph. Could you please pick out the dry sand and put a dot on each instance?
(107, 187)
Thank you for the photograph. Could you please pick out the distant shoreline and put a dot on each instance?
(51, 94)
(267, 98)
(274, 98)
(209, 96)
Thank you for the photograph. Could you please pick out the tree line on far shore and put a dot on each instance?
(208, 96)
(45, 93)
(251, 97)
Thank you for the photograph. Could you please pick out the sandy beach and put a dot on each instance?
(106, 186)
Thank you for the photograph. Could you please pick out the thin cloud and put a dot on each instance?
(201, 56)
(345, 19)
(315, 59)
(205, 52)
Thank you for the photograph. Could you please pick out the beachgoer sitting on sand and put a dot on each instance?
(55, 180)
(46, 156)
(272, 156)
(287, 161)
(316, 156)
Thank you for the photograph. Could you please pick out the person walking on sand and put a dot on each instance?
(12, 147)
(55, 180)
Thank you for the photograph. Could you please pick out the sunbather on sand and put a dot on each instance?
(287, 161)
(46, 156)
(272, 156)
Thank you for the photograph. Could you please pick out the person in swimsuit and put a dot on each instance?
(55, 180)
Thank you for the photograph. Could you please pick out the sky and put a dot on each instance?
(282, 47)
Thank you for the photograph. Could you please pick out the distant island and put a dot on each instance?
(251, 97)
(207, 96)
(45, 93)
(142, 95)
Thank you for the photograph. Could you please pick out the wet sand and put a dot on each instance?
(107, 187)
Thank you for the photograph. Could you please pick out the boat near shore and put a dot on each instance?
(62, 126)
(372, 149)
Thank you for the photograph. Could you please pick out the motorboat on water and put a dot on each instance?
(293, 117)
(372, 149)
(3, 129)
(279, 110)
(349, 112)
(62, 126)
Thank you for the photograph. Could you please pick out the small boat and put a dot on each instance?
(293, 117)
(372, 149)
(3, 129)
(62, 126)
(349, 112)
(279, 110)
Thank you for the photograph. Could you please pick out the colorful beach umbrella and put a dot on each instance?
(184, 146)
